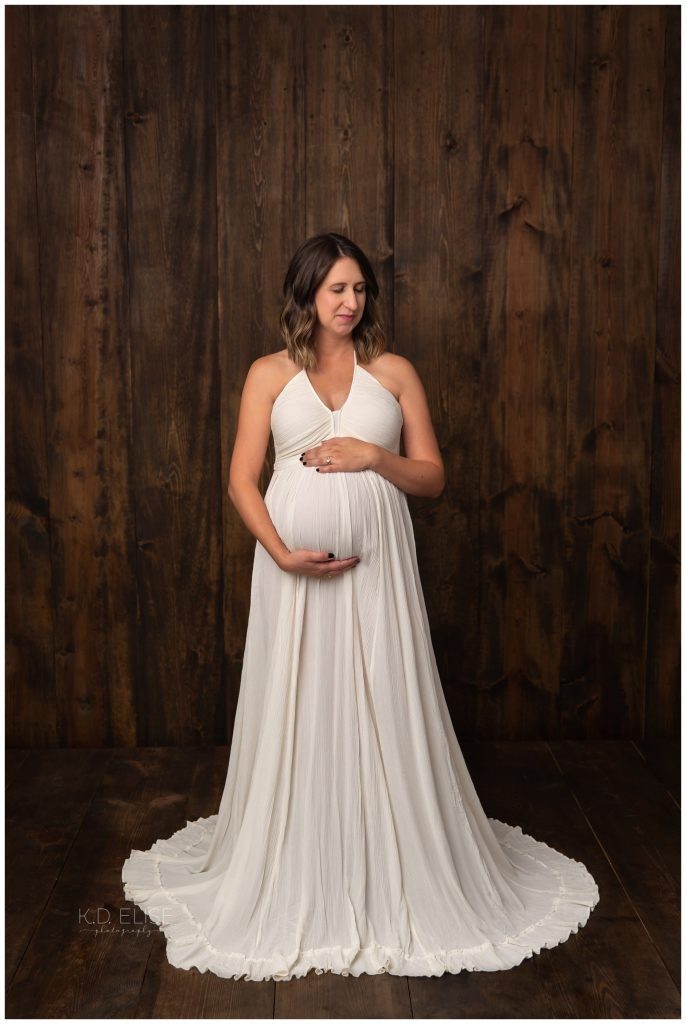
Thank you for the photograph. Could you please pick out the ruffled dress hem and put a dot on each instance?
(187, 946)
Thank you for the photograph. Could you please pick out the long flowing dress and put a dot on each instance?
(349, 836)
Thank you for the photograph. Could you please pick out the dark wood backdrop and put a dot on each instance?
(513, 173)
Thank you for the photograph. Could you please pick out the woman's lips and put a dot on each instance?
(344, 317)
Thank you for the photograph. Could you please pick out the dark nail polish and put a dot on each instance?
(317, 468)
(300, 457)
(331, 554)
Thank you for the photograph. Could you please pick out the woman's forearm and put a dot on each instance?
(249, 503)
(414, 476)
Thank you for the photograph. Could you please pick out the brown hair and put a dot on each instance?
(306, 271)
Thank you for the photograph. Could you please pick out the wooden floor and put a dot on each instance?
(76, 948)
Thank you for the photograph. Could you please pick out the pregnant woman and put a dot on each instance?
(349, 837)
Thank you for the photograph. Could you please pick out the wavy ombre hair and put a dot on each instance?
(307, 269)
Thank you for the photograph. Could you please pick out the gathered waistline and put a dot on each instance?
(286, 462)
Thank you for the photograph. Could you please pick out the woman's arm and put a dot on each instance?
(421, 477)
(247, 460)
(420, 470)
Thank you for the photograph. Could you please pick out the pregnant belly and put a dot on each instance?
(339, 512)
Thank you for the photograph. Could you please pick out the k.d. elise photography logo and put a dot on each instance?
(110, 920)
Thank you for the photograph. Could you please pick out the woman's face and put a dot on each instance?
(340, 297)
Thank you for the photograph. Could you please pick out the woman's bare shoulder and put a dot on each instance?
(393, 371)
(272, 371)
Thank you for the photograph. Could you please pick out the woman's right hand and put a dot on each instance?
(303, 562)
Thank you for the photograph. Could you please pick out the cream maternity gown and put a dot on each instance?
(349, 837)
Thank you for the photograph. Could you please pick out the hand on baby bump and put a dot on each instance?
(347, 455)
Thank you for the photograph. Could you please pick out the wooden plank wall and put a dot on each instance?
(513, 173)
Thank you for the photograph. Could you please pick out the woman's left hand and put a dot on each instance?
(348, 455)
